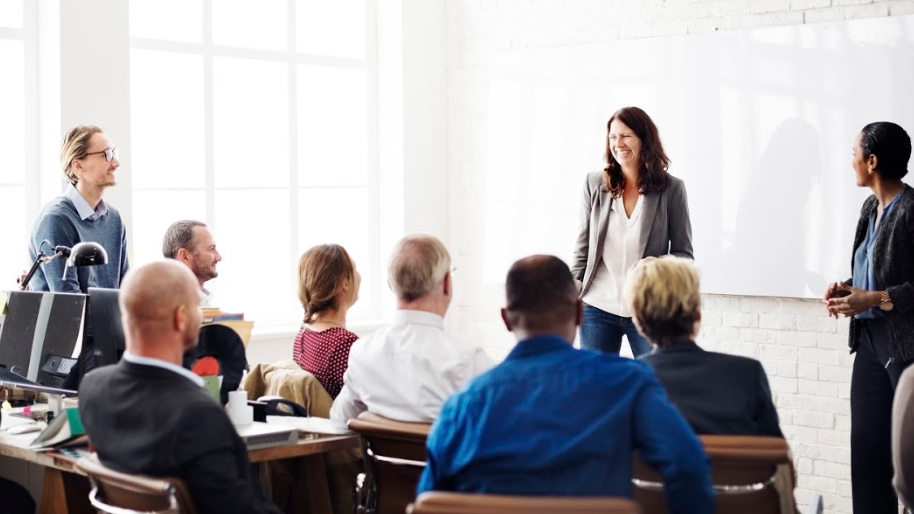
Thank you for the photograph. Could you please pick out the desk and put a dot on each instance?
(66, 491)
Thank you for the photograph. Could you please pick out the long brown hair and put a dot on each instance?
(321, 272)
(654, 163)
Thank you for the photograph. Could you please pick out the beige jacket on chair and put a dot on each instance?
(288, 380)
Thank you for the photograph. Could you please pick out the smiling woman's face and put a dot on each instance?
(624, 144)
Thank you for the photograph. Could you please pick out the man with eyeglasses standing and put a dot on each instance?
(89, 161)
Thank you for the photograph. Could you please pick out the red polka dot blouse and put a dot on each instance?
(325, 355)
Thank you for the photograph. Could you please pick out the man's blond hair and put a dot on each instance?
(663, 297)
(76, 146)
(418, 265)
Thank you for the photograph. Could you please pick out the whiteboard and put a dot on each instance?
(760, 124)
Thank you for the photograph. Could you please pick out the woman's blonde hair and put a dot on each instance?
(76, 146)
(322, 271)
(663, 297)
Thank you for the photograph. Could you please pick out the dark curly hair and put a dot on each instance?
(652, 174)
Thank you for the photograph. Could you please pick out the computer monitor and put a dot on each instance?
(10, 379)
(40, 334)
(103, 321)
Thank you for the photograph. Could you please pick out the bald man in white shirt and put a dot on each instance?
(407, 370)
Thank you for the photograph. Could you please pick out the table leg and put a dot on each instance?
(64, 493)
(317, 489)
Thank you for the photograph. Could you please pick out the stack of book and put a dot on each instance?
(234, 321)
(65, 430)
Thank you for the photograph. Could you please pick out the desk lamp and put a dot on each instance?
(86, 253)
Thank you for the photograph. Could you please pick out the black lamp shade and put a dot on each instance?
(87, 253)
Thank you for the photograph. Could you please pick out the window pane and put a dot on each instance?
(334, 28)
(15, 257)
(251, 123)
(257, 275)
(332, 126)
(340, 216)
(166, 119)
(12, 107)
(243, 23)
(153, 212)
(11, 14)
(173, 20)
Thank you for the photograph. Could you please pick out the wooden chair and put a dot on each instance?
(434, 502)
(120, 493)
(751, 475)
(395, 451)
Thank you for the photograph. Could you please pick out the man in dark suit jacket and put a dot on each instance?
(149, 416)
(717, 393)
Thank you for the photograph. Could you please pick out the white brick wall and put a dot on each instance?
(803, 351)
(805, 355)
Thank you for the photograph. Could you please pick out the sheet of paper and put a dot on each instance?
(310, 425)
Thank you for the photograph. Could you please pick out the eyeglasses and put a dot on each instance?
(110, 153)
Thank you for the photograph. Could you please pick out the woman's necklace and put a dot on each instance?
(327, 322)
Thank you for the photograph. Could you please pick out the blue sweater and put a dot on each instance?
(60, 223)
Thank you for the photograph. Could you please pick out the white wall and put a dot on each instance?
(804, 352)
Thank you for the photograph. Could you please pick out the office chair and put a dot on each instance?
(119, 493)
(435, 502)
(395, 451)
(225, 345)
(751, 475)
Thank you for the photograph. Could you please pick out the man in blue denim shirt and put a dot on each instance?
(555, 421)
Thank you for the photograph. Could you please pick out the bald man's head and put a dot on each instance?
(159, 304)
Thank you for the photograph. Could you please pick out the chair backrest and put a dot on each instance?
(226, 346)
(286, 379)
(119, 493)
(396, 454)
(751, 474)
(435, 502)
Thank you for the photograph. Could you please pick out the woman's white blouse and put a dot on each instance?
(620, 254)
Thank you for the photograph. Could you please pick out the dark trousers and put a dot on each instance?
(873, 383)
(602, 332)
(15, 499)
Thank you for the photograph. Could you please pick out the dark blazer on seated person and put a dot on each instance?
(146, 419)
(717, 393)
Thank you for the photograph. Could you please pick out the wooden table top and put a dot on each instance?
(17, 447)
(308, 444)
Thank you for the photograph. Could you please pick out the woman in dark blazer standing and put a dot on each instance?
(630, 210)
(879, 297)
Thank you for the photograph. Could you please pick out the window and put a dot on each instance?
(257, 118)
(18, 110)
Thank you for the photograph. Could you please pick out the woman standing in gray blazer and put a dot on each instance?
(630, 210)
(879, 299)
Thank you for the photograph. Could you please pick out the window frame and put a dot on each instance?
(31, 182)
(292, 58)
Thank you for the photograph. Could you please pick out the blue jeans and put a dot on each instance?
(602, 332)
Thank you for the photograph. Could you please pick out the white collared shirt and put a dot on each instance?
(406, 371)
(158, 363)
(206, 298)
(85, 211)
(620, 254)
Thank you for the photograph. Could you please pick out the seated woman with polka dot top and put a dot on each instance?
(328, 285)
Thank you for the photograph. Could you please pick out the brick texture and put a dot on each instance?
(803, 351)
